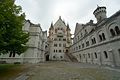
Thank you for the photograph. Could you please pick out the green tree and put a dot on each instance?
(12, 38)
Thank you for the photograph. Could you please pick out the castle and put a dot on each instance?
(94, 43)
(59, 38)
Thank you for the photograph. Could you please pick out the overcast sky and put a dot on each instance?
(71, 11)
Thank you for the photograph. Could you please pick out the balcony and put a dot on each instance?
(60, 33)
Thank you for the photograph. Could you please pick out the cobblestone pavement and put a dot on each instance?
(71, 71)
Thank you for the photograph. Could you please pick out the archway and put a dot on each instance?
(47, 57)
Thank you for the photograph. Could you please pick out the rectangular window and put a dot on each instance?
(59, 45)
(64, 39)
(59, 50)
(78, 37)
(55, 45)
(64, 45)
(76, 48)
(55, 39)
(59, 39)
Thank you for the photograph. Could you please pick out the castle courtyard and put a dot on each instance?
(60, 70)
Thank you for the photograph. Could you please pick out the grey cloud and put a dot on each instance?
(44, 11)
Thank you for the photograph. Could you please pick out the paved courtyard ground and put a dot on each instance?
(71, 71)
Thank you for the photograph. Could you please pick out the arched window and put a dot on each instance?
(89, 55)
(61, 57)
(94, 40)
(100, 37)
(53, 56)
(95, 55)
(87, 43)
(54, 50)
(79, 47)
(112, 32)
(103, 35)
(83, 45)
(117, 29)
(106, 55)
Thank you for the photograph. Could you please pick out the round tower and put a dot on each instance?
(100, 13)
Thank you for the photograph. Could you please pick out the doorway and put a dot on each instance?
(47, 57)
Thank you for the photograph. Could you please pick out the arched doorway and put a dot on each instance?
(47, 57)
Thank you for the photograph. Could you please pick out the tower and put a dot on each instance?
(100, 13)
(59, 38)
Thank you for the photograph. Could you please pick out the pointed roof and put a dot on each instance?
(59, 21)
(51, 27)
(68, 28)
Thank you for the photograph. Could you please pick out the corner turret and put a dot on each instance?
(100, 13)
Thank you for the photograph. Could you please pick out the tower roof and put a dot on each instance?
(59, 22)
(51, 27)
(98, 8)
(68, 28)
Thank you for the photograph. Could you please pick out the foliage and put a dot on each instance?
(12, 38)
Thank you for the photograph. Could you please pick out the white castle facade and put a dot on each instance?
(98, 43)
(36, 46)
(94, 43)
(59, 38)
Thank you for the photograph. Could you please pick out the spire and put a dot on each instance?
(97, 5)
(67, 25)
(68, 28)
(59, 17)
(51, 27)
(51, 24)
(63, 21)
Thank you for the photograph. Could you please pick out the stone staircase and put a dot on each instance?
(70, 57)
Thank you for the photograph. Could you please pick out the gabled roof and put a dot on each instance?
(59, 21)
